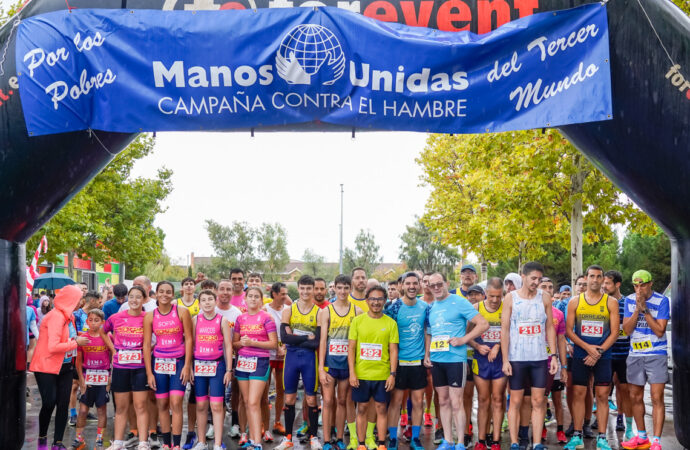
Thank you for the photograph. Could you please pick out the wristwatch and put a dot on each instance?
(644, 311)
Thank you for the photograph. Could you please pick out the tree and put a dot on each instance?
(234, 245)
(652, 253)
(313, 263)
(273, 252)
(504, 195)
(422, 249)
(112, 217)
(163, 270)
(365, 254)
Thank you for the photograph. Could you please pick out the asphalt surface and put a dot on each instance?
(668, 441)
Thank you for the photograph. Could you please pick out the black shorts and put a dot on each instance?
(620, 368)
(410, 377)
(557, 386)
(528, 374)
(370, 389)
(94, 395)
(569, 361)
(449, 374)
(582, 372)
(129, 380)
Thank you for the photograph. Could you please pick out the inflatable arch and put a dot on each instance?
(644, 149)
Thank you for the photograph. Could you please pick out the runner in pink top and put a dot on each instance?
(208, 338)
(256, 327)
(239, 302)
(128, 338)
(172, 365)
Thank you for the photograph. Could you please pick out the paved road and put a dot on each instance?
(669, 441)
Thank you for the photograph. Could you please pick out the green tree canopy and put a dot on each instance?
(422, 249)
(365, 254)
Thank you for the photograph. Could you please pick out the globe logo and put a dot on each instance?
(307, 50)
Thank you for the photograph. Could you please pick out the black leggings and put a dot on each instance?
(55, 391)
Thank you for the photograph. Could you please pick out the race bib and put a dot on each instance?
(301, 333)
(370, 352)
(205, 368)
(337, 347)
(621, 334)
(129, 356)
(492, 335)
(96, 377)
(529, 328)
(592, 328)
(440, 343)
(71, 354)
(641, 345)
(165, 366)
(247, 363)
(416, 362)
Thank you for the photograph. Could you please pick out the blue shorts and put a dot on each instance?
(528, 374)
(300, 362)
(338, 374)
(262, 371)
(94, 396)
(368, 390)
(213, 387)
(167, 385)
(482, 368)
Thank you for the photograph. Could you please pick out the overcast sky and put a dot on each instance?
(293, 179)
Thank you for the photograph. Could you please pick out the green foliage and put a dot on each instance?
(365, 254)
(507, 194)
(112, 217)
(316, 266)
(685, 6)
(292, 291)
(162, 269)
(251, 249)
(422, 249)
(652, 253)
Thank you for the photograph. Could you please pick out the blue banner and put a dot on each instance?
(145, 70)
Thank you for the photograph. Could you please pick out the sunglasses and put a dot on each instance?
(640, 283)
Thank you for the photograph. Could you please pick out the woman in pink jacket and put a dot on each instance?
(53, 364)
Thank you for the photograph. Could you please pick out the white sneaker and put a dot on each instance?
(116, 446)
(143, 445)
(154, 442)
(218, 447)
(200, 446)
(314, 443)
(234, 431)
(209, 432)
(285, 444)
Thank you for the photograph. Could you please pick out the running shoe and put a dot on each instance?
(73, 421)
(91, 418)
(595, 424)
(315, 443)
(602, 443)
(636, 443)
(407, 434)
(78, 444)
(58, 446)
(548, 416)
(468, 438)
(514, 446)
(243, 439)
(445, 445)
(234, 432)
(99, 445)
(132, 440)
(495, 446)
(113, 446)
(416, 444)
(143, 445)
(620, 426)
(403, 420)
(200, 446)
(570, 430)
(479, 446)
(655, 446)
(361, 447)
(177, 447)
(42, 444)
(302, 430)
(370, 442)
(268, 437)
(438, 436)
(560, 437)
(587, 432)
(210, 432)
(575, 443)
(285, 444)
(523, 444)
(340, 445)
(327, 446)
(612, 406)
(381, 447)
(539, 447)
(165, 447)
(154, 442)
(629, 434)
(189, 441)
(278, 428)
(459, 446)
(428, 421)
(353, 445)
(392, 444)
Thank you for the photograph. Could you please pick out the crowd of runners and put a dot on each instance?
(376, 365)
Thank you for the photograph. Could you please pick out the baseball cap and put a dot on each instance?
(468, 267)
(476, 288)
(643, 275)
(564, 288)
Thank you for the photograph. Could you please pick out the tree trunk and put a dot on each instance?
(577, 181)
(70, 264)
(484, 269)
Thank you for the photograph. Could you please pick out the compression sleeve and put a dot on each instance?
(290, 339)
(313, 343)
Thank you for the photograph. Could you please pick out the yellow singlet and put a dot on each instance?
(302, 324)
(361, 303)
(193, 308)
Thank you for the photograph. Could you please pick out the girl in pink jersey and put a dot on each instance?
(212, 366)
(255, 335)
(128, 380)
(93, 369)
(170, 369)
